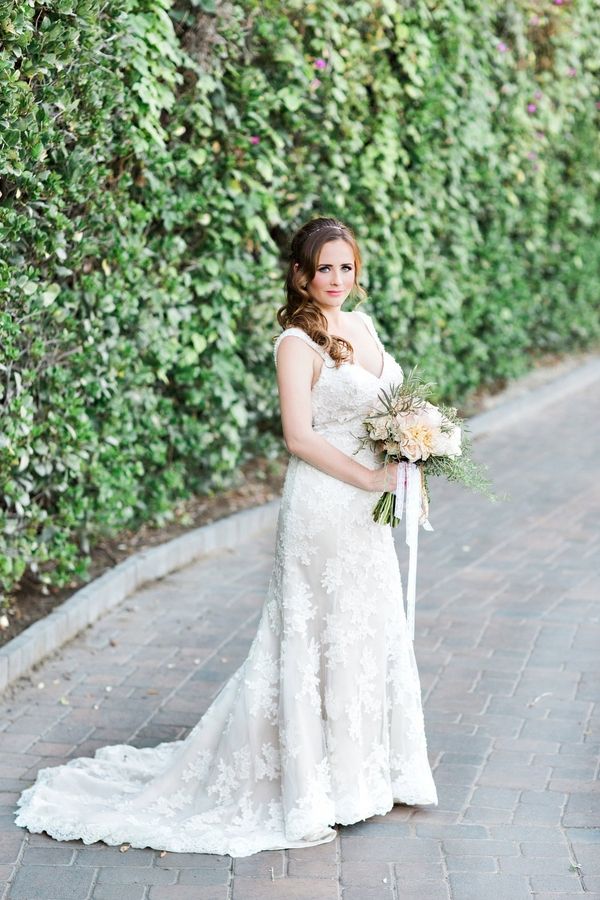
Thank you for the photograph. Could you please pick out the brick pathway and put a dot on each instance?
(508, 640)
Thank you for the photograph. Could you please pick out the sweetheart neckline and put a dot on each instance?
(356, 365)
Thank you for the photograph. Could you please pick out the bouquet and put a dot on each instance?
(408, 429)
(425, 440)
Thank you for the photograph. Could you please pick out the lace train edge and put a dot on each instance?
(199, 843)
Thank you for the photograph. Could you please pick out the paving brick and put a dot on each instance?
(310, 868)
(530, 865)
(471, 863)
(555, 882)
(103, 855)
(552, 848)
(584, 835)
(536, 815)
(477, 886)
(247, 888)
(48, 856)
(115, 892)
(582, 810)
(484, 816)
(431, 890)
(456, 846)
(443, 830)
(188, 892)
(391, 825)
(131, 874)
(193, 860)
(46, 748)
(588, 857)
(495, 798)
(206, 876)
(261, 864)
(10, 846)
(365, 893)
(51, 883)
(389, 849)
(562, 895)
(369, 874)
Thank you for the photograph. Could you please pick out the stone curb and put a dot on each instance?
(510, 411)
(105, 592)
(99, 596)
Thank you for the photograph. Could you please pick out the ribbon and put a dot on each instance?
(410, 493)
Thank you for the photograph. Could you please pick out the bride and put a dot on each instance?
(322, 724)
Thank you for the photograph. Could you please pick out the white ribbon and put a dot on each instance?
(408, 493)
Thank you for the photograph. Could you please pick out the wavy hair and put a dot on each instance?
(300, 309)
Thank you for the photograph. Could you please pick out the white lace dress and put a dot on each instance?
(321, 724)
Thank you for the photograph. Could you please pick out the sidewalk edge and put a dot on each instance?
(89, 603)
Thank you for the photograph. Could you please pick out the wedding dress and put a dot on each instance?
(321, 724)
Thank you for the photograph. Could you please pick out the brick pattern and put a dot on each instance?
(507, 641)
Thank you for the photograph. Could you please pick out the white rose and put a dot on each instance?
(378, 429)
(448, 443)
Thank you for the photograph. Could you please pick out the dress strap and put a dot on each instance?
(370, 325)
(298, 332)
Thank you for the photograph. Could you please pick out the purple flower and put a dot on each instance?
(314, 84)
(572, 71)
(320, 63)
(534, 20)
(558, 2)
(597, 104)
(501, 46)
(531, 107)
(254, 139)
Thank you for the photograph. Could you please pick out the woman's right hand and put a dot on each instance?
(385, 478)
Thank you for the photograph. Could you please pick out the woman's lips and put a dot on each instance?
(335, 292)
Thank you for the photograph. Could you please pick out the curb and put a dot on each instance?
(510, 411)
(101, 595)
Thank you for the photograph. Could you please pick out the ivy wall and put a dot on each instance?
(155, 159)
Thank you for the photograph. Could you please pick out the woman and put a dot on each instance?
(322, 723)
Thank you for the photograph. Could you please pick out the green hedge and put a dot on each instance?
(154, 161)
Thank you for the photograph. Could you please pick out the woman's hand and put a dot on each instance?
(384, 478)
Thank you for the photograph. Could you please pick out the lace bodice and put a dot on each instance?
(342, 396)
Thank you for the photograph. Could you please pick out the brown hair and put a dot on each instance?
(300, 308)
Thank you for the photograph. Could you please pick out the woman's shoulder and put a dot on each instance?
(295, 331)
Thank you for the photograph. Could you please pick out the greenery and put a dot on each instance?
(154, 161)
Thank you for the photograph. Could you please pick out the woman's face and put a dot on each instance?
(334, 275)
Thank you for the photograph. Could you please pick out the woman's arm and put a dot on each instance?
(294, 378)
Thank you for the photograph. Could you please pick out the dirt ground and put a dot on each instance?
(262, 482)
